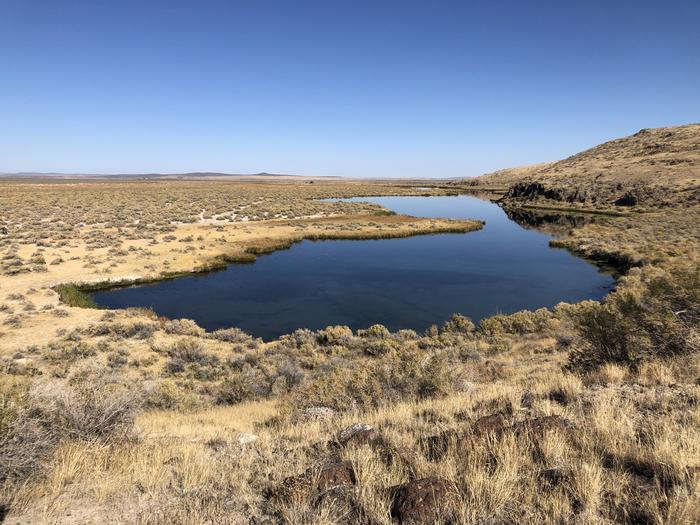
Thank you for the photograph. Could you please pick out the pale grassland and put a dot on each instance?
(41, 221)
(89, 231)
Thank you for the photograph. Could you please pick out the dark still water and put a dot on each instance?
(402, 283)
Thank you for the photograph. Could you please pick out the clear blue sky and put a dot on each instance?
(336, 88)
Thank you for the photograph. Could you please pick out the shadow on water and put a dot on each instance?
(411, 282)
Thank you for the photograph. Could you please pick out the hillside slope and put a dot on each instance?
(652, 168)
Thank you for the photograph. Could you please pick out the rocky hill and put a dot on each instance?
(652, 168)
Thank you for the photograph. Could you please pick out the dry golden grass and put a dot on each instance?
(191, 468)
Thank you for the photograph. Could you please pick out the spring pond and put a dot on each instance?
(410, 282)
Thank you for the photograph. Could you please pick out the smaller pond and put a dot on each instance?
(402, 283)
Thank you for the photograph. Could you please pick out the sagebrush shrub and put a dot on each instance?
(183, 327)
(97, 406)
(656, 315)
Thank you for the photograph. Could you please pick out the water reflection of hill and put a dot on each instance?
(553, 223)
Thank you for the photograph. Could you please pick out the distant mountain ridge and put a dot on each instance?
(188, 175)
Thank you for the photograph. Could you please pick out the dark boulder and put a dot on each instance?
(527, 399)
(293, 489)
(402, 457)
(360, 434)
(437, 446)
(336, 474)
(628, 199)
(495, 424)
(424, 501)
(315, 481)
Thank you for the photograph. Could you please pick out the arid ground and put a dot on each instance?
(584, 413)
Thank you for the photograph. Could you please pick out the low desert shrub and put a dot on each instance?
(96, 407)
(34, 420)
(291, 373)
(68, 351)
(298, 339)
(334, 335)
(234, 389)
(167, 395)
(190, 355)
(377, 347)
(376, 331)
(523, 322)
(118, 359)
(402, 374)
(235, 336)
(189, 350)
(459, 324)
(656, 314)
(183, 327)
(135, 329)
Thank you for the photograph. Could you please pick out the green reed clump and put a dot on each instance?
(73, 295)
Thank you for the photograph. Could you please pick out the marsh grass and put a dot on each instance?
(75, 295)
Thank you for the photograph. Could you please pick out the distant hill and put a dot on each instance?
(190, 175)
(653, 167)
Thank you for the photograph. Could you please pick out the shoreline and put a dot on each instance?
(77, 294)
